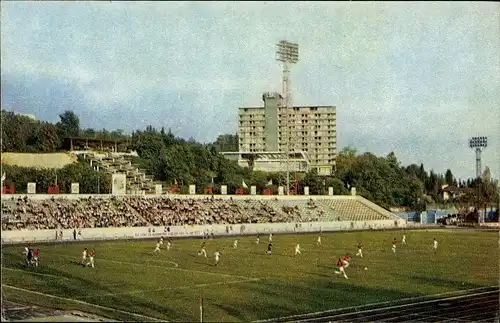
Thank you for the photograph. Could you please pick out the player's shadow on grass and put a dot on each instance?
(325, 274)
(77, 263)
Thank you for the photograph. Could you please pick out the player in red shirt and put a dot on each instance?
(202, 250)
(346, 260)
(35, 256)
(91, 258)
(340, 264)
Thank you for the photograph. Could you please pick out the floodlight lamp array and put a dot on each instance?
(287, 52)
(478, 142)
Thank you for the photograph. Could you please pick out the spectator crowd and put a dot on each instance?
(62, 213)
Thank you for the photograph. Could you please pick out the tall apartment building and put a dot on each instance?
(311, 129)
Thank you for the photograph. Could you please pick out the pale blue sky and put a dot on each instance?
(415, 78)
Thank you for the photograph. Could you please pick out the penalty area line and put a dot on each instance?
(170, 288)
(359, 309)
(167, 268)
(34, 273)
(84, 303)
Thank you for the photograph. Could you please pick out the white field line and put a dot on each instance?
(20, 308)
(34, 273)
(378, 304)
(172, 288)
(48, 275)
(166, 268)
(84, 303)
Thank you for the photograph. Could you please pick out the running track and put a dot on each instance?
(481, 306)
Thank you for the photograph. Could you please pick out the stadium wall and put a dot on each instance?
(32, 236)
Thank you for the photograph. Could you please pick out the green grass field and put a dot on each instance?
(248, 284)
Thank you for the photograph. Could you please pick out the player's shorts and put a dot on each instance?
(91, 259)
(35, 258)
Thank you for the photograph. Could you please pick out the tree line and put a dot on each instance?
(173, 160)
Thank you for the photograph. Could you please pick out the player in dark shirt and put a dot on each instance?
(29, 256)
(269, 247)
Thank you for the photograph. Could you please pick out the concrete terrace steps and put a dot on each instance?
(354, 209)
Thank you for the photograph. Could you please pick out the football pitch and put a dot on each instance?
(132, 283)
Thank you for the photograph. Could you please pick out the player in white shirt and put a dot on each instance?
(393, 246)
(157, 249)
(270, 237)
(161, 240)
(404, 239)
(169, 244)
(84, 256)
(297, 249)
(360, 249)
(91, 259)
(258, 239)
(235, 244)
(318, 242)
(217, 257)
(435, 246)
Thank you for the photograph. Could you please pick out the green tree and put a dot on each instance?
(226, 143)
(449, 177)
(69, 124)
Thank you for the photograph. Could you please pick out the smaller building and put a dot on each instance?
(453, 192)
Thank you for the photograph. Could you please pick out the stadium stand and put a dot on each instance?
(137, 179)
(92, 212)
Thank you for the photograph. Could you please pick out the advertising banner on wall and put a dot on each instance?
(253, 190)
(192, 189)
(306, 190)
(119, 184)
(75, 188)
(281, 190)
(31, 188)
(223, 189)
(158, 189)
(330, 191)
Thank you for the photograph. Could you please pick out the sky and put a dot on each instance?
(418, 79)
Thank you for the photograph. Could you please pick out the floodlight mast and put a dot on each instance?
(287, 54)
(478, 143)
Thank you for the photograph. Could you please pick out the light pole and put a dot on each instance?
(478, 143)
(287, 54)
